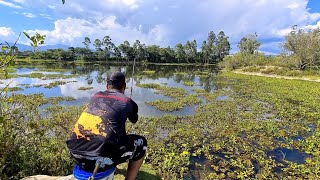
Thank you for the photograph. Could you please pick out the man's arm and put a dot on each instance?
(133, 116)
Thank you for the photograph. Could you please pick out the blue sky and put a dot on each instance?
(162, 22)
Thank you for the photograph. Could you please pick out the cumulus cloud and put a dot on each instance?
(5, 31)
(193, 19)
(72, 31)
(9, 4)
(168, 22)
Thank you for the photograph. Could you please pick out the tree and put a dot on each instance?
(249, 44)
(100, 53)
(87, 42)
(108, 46)
(180, 53)
(88, 54)
(127, 50)
(191, 51)
(304, 46)
(209, 49)
(153, 53)
(223, 46)
(139, 50)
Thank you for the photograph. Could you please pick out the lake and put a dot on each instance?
(35, 78)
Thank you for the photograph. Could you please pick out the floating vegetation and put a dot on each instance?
(250, 128)
(226, 139)
(204, 73)
(85, 88)
(199, 91)
(181, 73)
(12, 89)
(48, 76)
(176, 104)
(188, 83)
(7, 76)
(148, 72)
(54, 70)
(52, 84)
(56, 100)
(23, 84)
(150, 85)
(172, 92)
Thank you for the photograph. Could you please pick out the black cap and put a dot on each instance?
(116, 78)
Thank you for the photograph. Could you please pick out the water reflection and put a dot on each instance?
(94, 75)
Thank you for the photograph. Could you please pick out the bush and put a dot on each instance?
(240, 60)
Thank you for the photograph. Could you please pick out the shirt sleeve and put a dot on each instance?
(133, 116)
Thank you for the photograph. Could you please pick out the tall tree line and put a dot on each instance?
(213, 50)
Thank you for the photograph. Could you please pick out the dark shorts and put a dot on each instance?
(133, 149)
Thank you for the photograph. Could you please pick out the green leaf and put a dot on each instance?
(1, 119)
(26, 34)
(4, 48)
(6, 74)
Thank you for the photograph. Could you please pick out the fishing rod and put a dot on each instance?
(132, 77)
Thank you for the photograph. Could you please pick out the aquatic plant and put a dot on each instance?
(244, 136)
(150, 85)
(188, 83)
(48, 76)
(149, 72)
(176, 104)
(11, 89)
(173, 92)
(85, 88)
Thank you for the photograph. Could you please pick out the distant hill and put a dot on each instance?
(23, 47)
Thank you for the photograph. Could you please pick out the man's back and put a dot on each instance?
(99, 140)
(102, 123)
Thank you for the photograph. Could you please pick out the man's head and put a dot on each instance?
(116, 80)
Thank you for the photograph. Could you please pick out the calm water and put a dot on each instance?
(94, 75)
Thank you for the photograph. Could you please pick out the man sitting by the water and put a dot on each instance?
(100, 135)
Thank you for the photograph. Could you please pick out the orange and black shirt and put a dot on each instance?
(100, 130)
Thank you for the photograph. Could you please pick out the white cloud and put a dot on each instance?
(9, 4)
(72, 31)
(51, 7)
(313, 26)
(29, 15)
(133, 4)
(167, 22)
(20, 1)
(47, 16)
(5, 31)
(286, 31)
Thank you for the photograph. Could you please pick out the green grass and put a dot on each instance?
(145, 172)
